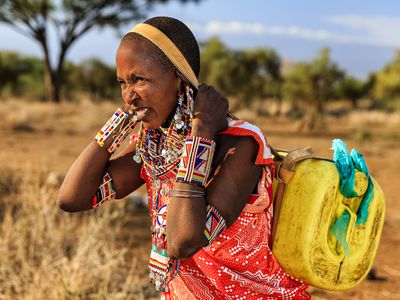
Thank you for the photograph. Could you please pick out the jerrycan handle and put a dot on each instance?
(352, 223)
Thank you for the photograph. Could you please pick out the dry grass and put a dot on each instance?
(374, 118)
(66, 117)
(47, 254)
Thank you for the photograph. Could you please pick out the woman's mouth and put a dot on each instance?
(141, 113)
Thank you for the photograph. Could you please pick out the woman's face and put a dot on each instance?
(147, 86)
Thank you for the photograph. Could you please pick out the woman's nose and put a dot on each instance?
(130, 96)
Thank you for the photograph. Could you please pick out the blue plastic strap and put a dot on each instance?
(360, 165)
(345, 167)
(346, 164)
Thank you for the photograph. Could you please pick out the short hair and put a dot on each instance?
(180, 35)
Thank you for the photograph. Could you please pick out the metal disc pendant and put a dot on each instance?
(137, 158)
(179, 124)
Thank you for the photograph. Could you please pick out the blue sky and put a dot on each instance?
(362, 35)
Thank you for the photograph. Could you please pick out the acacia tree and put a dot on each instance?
(313, 83)
(19, 75)
(386, 86)
(353, 89)
(256, 74)
(70, 19)
(93, 77)
(216, 60)
(244, 74)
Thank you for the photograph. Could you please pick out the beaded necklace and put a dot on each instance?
(160, 150)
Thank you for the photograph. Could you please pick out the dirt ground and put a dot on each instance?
(40, 141)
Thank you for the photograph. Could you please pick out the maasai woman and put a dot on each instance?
(208, 177)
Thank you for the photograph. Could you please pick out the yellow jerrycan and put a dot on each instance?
(308, 203)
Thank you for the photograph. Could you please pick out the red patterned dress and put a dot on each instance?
(238, 264)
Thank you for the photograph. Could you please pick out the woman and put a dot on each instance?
(208, 177)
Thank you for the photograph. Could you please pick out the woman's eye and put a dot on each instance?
(139, 79)
(121, 83)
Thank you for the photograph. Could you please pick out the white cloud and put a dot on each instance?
(216, 27)
(378, 31)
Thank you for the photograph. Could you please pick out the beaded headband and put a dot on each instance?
(159, 39)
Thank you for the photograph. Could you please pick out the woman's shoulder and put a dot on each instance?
(244, 134)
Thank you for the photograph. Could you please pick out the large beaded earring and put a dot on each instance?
(184, 111)
(178, 122)
(190, 101)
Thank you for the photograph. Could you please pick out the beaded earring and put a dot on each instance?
(178, 113)
(184, 111)
(190, 101)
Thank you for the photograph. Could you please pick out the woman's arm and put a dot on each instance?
(86, 174)
(233, 181)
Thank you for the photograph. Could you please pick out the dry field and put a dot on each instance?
(102, 254)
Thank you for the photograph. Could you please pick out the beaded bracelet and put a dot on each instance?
(105, 192)
(117, 125)
(195, 163)
(215, 224)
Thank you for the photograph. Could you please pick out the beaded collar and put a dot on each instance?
(160, 149)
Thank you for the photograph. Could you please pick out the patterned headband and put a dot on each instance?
(159, 39)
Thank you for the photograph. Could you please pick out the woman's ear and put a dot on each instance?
(182, 78)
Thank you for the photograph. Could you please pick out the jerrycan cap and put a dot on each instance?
(360, 183)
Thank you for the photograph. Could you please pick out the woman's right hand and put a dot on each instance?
(210, 111)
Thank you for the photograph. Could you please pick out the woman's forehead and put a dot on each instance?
(139, 53)
(135, 53)
(134, 48)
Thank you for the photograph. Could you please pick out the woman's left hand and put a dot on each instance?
(210, 111)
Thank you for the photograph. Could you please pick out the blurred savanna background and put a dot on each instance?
(305, 72)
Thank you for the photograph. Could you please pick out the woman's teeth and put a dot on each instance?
(141, 112)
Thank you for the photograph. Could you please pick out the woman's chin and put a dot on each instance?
(151, 122)
(150, 125)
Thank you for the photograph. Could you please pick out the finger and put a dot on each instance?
(226, 102)
(204, 87)
(211, 87)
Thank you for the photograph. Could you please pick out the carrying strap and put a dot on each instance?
(285, 163)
